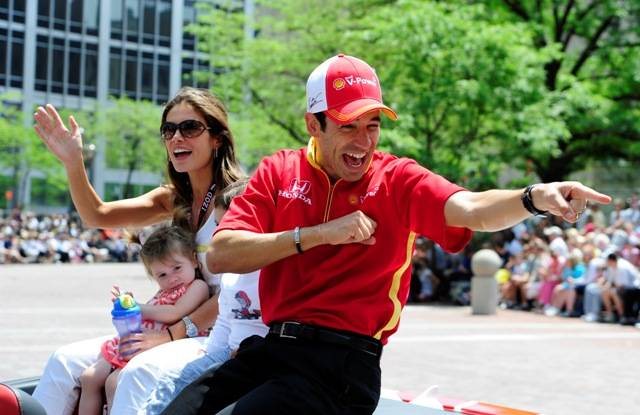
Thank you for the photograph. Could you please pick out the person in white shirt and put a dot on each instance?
(623, 279)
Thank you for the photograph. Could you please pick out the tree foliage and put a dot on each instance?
(21, 151)
(131, 132)
(542, 86)
(592, 77)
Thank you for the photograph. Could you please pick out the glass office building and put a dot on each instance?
(78, 53)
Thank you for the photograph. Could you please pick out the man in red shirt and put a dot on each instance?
(332, 227)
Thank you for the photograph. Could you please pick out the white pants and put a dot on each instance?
(59, 387)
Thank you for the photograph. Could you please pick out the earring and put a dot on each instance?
(215, 153)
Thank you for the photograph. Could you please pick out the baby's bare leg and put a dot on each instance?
(92, 381)
(110, 387)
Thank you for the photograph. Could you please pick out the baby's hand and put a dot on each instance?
(115, 293)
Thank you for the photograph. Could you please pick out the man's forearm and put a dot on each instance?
(487, 211)
(243, 252)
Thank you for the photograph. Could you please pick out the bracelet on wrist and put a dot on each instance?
(296, 239)
(527, 202)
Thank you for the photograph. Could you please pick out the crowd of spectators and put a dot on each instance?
(27, 238)
(587, 270)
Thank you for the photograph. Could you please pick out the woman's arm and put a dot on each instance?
(66, 145)
(195, 295)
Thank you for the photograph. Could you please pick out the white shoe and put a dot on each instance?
(551, 311)
(590, 318)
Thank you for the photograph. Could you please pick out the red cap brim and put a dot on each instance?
(355, 109)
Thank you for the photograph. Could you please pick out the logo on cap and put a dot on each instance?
(338, 84)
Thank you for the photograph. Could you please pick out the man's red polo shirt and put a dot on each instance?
(354, 287)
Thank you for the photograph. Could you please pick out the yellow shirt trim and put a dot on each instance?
(395, 287)
(312, 153)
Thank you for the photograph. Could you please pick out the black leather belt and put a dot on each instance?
(295, 330)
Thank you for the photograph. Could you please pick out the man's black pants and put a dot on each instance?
(275, 375)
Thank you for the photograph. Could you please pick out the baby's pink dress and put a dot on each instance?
(110, 347)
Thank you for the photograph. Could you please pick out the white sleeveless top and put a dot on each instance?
(203, 238)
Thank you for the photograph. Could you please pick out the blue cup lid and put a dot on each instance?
(125, 306)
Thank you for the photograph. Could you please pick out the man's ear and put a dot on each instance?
(313, 125)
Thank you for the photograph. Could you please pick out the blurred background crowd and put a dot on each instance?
(27, 238)
(587, 270)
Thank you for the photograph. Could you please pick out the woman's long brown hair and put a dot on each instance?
(224, 166)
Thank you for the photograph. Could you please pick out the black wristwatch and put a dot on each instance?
(191, 328)
(527, 202)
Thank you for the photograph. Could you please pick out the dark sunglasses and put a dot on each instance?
(188, 129)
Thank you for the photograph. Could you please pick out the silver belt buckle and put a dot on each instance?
(286, 336)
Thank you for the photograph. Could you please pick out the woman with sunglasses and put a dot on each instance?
(200, 161)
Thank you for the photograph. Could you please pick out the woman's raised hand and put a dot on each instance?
(65, 144)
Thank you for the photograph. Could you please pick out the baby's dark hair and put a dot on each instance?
(224, 198)
(166, 241)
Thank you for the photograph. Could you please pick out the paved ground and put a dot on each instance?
(524, 360)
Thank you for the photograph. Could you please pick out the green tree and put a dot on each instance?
(130, 129)
(461, 85)
(21, 151)
(541, 86)
(591, 78)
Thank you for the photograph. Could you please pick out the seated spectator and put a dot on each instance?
(564, 294)
(551, 276)
(424, 283)
(537, 259)
(623, 283)
(511, 289)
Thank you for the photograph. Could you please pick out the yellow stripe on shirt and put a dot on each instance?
(395, 288)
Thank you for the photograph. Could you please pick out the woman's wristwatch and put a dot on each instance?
(191, 328)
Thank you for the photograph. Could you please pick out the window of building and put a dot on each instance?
(91, 70)
(149, 22)
(76, 11)
(147, 76)
(42, 62)
(60, 14)
(91, 16)
(57, 65)
(4, 9)
(17, 55)
(132, 18)
(115, 71)
(75, 67)
(131, 74)
(3, 56)
(196, 72)
(163, 78)
(164, 23)
(18, 11)
(189, 16)
(187, 71)
(117, 18)
(44, 10)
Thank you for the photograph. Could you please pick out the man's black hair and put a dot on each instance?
(612, 257)
(322, 119)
